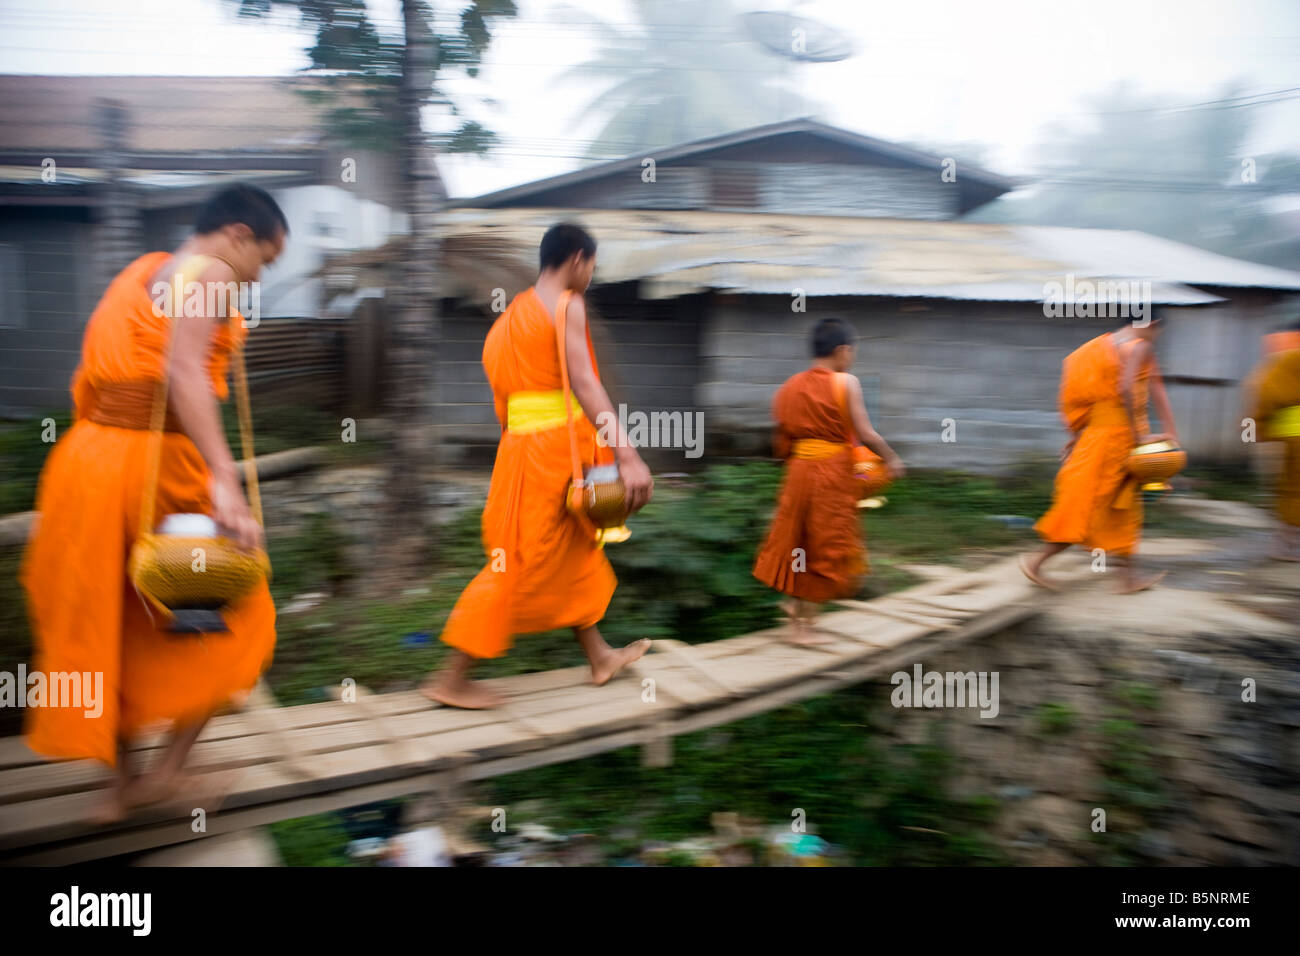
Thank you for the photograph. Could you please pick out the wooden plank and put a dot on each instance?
(908, 617)
(22, 824)
(234, 752)
(523, 684)
(612, 715)
(732, 646)
(14, 752)
(682, 685)
(689, 657)
(876, 631)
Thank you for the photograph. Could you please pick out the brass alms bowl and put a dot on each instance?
(1154, 463)
(871, 477)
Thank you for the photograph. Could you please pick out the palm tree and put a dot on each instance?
(686, 71)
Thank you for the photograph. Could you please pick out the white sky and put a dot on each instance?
(998, 72)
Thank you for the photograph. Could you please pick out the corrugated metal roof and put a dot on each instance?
(1130, 253)
(167, 114)
(672, 154)
(676, 253)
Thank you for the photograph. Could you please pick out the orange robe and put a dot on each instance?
(814, 549)
(85, 614)
(1278, 388)
(1096, 503)
(545, 569)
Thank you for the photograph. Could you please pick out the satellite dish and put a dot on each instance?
(798, 38)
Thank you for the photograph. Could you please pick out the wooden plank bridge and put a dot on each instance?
(279, 763)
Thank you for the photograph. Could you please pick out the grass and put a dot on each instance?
(1133, 789)
(1226, 484)
(884, 804)
(24, 444)
(281, 427)
(15, 638)
(1055, 718)
(822, 756)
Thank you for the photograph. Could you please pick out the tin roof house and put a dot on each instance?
(95, 170)
(717, 256)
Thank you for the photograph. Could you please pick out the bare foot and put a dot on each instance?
(801, 634)
(112, 809)
(181, 791)
(459, 692)
(1031, 571)
(807, 638)
(1136, 584)
(603, 669)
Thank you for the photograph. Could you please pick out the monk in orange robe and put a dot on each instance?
(1105, 386)
(1276, 400)
(86, 616)
(814, 550)
(546, 567)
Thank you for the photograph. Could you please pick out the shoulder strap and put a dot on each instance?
(188, 272)
(561, 342)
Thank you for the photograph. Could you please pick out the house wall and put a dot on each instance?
(794, 174)
(48, 291)
(1205, 356)
(648, 353)
(323, 220)
(992, 368)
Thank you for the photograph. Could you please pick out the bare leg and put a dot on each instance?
(1287, 545)
(167, 778)
(452, 686)
(114, 807)
(607, 661)
(1033, 566)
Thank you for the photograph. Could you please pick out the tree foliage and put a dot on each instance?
(1185, 173)
(359, 67)
(686, 70)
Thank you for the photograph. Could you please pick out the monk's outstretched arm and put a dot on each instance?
(1160, 398)
(869, 436)
(190, 397)
(599, 409)
(1127, 379)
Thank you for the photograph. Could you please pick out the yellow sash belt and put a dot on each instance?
(815, 449)
(1285, 422)
(537, 411)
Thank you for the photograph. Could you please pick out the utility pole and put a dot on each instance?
(120, 229)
